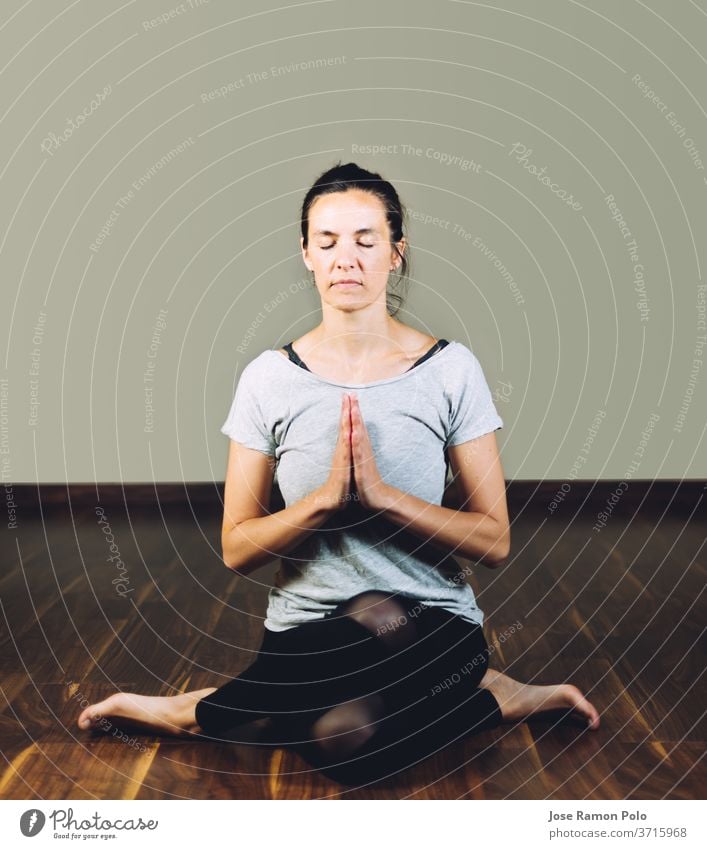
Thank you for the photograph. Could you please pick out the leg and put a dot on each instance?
(516, 701)
(386, 621)
(386, 616)
(343, 730)
(291, 677)
(439, 703)
(300, 674)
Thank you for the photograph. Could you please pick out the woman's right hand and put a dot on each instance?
(336, 492)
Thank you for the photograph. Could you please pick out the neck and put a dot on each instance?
(356, 336)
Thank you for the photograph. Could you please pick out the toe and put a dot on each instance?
(88, 718)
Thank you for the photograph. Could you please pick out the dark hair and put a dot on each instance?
(341, 178)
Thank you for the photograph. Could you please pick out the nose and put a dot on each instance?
(344, 256)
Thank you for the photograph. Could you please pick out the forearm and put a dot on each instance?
(476, 536)
(255, 542)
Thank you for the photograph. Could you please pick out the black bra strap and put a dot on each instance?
(292, 354)
(438, 345)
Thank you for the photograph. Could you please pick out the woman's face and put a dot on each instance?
(349, 239)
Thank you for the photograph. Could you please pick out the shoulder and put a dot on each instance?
(462, 368)
(262, 363)
(457, 358)
(259, 373)
(460, 348)
(462, 353)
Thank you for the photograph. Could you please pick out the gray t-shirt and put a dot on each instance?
(293, 415)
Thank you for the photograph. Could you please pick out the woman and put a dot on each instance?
(373, 655)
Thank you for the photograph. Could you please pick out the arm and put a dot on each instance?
(477, 526)
(251, 535)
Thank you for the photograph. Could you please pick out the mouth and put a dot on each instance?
(345, 283)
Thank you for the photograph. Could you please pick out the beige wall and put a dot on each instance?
(192, 156)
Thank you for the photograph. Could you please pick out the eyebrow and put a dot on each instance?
(357, 232)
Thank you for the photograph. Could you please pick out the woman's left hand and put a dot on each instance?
(372, 490)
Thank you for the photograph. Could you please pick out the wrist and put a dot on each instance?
(325, 501)
(387, 497)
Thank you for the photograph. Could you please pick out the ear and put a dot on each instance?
(305, 254)
(395, 259)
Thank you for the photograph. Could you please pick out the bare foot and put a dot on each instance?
(518, 701)
(173, 715)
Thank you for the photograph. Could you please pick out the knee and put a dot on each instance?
(346, 728)
(377, 611)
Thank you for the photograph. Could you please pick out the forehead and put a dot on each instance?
(347, 212)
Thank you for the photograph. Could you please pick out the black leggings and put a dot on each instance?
(375, 686)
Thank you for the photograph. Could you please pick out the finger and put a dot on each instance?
(356, 417)
(345, 416)
(346, 430)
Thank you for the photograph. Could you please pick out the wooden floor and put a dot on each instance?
(619, 613)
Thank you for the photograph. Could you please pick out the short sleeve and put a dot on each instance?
(245, 423)
(471, 409)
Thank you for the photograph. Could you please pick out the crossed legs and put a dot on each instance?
(358, 735)
(345, 729)
(399, 722)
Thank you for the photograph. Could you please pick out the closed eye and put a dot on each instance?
(326, 247)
